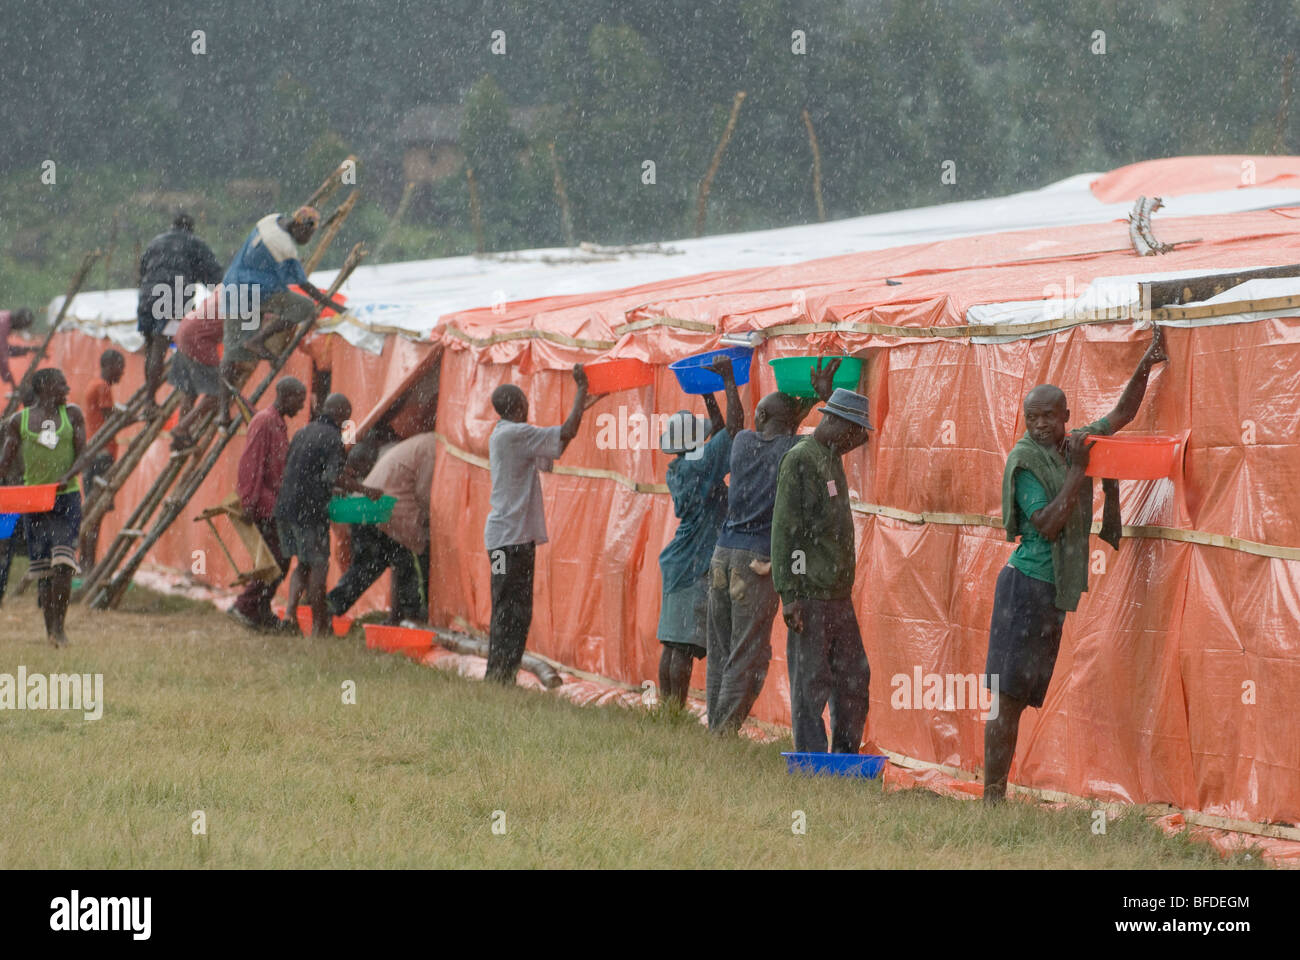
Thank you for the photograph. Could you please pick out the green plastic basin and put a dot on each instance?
(793, 374)
(362, 509)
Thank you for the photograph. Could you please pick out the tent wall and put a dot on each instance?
(1179, 672)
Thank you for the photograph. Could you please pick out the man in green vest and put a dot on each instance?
(51, 435)
(1047, 502)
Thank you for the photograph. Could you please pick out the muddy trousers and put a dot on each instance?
(512, 609)
(742, 606)
(827, 664)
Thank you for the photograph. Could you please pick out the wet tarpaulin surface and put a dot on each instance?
(1178, 670)
(1178, 673)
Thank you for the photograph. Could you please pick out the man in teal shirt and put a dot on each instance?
(813, 566)
(1047, 501)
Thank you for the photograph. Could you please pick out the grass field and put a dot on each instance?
(253, 731)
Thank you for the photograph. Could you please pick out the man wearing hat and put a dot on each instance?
(813, 565)
(742, 600)
(701, 447)
(261, 274)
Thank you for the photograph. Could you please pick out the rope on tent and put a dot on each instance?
(1177, 534)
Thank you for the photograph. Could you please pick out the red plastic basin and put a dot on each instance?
(413, 643)
(34, 499)
(610, 376)
(1132, 458)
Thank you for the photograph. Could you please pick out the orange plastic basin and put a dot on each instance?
(413, 643)
(341, 624)
(1132, 458)
(34, 499)
(609, 376)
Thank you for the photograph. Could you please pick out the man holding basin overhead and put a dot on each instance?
(742, 599)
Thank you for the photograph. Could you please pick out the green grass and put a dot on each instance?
(252, 730)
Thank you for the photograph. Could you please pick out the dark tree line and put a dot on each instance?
(1014, 95)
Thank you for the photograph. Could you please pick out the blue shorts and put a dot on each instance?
(52, 536)
(309, 542)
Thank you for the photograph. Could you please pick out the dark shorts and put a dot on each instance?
(52, 536)
(309, 542)
(1024, 637)
(190, 376)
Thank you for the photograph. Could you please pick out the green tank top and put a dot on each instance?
(40, 463)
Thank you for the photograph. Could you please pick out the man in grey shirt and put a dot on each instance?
(516, 523)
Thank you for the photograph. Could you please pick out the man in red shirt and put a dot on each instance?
(195, 369)
(99, 404)
(261, 469)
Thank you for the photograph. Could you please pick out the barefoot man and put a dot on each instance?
(1047, 503)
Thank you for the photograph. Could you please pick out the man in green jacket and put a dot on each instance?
(1047, 501)
(813, 565)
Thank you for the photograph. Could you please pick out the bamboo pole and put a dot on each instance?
(476, 211)
(78, 279)
(817, 165)
(332, 183)
(329, 231)
(562, 196)
(110, 428)
(701, 204)
(407, 192)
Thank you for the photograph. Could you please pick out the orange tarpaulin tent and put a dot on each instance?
(1179, 671)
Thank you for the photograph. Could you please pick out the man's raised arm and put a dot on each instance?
(569, 429)
(1131, 399)
(823, 384)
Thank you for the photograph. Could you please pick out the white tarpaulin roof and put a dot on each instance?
(408, 298)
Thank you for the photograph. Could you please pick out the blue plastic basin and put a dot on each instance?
(8, 522)
(694, 375)
(866, 765)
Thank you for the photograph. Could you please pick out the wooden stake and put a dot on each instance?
(562, 195)
(476, 211)
(78, 279)
(1284, 105)
(817, 165)
(407, 192)
(701, 204)
(112, 246)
